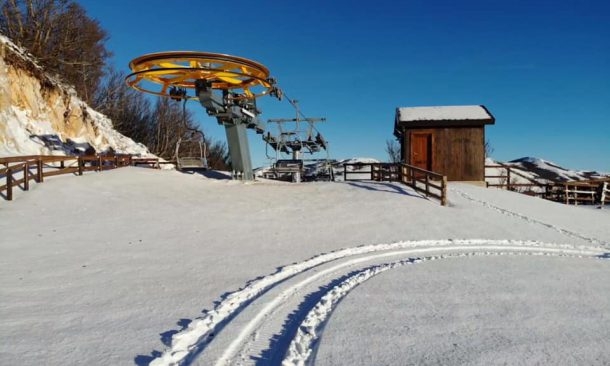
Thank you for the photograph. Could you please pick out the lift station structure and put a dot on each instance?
(226, 86)
(296, 136)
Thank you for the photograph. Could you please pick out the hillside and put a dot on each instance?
(40, 115)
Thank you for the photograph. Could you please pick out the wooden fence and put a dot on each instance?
(578, 193)
(587, 192)
(574, 192)
(605, 193)
(429, 183)
(18, 171)
(533, 187)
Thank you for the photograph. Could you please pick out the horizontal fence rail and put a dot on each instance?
(18, 171)
(429, 183)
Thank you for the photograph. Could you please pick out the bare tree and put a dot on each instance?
(128, 109)
(488, 149)
(393, 150)
(62, 37)
(218, 155)
(170, 123)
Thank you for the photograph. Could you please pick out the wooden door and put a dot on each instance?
(421, 150)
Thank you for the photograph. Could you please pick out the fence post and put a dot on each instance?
(9, 184)
(81, 163)
(344, 172)
(400, 171)
(26, 176)
(444, 191)
(39, 173)
(427, 185)
(116, 161)
(508, 178)
(99, 163)
(602, 199)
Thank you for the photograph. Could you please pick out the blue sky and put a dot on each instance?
(541, 67)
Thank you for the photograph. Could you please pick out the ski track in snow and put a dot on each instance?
(305, 342)
(278, 294)
(529, 219)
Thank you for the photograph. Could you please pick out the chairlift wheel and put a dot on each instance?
(158, 73)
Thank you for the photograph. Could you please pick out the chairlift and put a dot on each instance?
(191, 153)
(288, 166)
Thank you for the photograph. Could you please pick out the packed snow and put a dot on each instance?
(457, 112)
(142, 266)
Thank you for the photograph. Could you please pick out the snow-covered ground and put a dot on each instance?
(139, 266)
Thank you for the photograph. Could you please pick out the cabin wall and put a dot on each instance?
(457, 152)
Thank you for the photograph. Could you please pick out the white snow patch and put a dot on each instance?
(440, 113)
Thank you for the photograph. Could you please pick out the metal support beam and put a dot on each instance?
(236, 119)
(239, 150)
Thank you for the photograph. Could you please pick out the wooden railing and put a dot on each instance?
(150, 162)
(18, 171)
(573, 192)
(429, 183)
(544, 190)
(359, 169)
(586, 192)
(605, 193)
(580, 193)
(385, 172)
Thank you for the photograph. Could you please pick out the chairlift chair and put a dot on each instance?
(186, 160)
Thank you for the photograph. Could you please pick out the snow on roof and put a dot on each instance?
(443, 113)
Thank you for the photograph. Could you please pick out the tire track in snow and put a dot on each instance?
(231, 354)
(189, 343)
(529, 219)
(304, 344)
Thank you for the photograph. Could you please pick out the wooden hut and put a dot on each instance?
(449, 140)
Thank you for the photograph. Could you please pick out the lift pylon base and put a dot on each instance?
(239, 150)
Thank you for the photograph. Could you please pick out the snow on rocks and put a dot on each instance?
(49, 120)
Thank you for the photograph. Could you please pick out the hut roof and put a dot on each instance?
(441, 116)
(444, 113)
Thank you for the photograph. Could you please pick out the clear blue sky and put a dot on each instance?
(541, 67)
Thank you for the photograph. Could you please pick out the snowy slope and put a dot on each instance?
(134, 266)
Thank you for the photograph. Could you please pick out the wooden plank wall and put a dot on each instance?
(459, 153)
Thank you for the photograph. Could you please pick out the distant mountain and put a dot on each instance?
(536, 170)
(550, 171)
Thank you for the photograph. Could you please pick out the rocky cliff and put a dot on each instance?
(40, 115)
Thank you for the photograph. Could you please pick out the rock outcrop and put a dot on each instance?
(40, 115)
